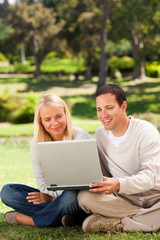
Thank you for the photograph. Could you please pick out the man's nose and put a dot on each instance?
(104, 113)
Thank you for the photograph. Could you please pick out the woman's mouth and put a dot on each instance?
(56, 129)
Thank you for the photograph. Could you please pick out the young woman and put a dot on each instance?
(40, 207)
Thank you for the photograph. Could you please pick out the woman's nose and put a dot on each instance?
(54, 122)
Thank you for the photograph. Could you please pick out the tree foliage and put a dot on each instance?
(82, 29)
(37, 26)
(134, 20)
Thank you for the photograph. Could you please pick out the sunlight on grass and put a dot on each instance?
(63, 65)
(16, 156)
(26, 130)
(16, 130)
(12, 89)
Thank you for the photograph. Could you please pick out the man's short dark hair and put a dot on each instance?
(112, 89)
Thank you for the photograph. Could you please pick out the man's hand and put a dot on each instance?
(38, 198)
(107, 186)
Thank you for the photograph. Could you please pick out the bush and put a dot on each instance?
(15, 109)
(153, 69)
(51, 55)
(124, 63)
(26, 115)
(23, 68)
(9, 105)
(3, 58)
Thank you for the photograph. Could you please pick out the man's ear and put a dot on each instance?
(124, 105)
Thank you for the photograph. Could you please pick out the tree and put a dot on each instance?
(36, 26)
(5, 12)
(88, 37)
(106, 7)
(134, 20)
(79, 34)
(3, 30)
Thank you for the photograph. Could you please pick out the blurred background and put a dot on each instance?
(70, 48)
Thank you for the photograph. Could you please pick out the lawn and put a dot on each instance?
(16, 167)
(143, 102)
(143, 99)
(52, 65)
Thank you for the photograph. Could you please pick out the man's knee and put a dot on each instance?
(84, 198)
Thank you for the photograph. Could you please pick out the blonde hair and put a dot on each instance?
(40, 134)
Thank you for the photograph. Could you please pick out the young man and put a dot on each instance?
(128, 198)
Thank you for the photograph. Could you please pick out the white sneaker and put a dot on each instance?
(98, 223)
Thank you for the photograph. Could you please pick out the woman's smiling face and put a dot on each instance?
(53, 119)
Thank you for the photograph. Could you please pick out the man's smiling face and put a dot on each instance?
(110, 113)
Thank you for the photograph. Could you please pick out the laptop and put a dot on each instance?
(70, 165)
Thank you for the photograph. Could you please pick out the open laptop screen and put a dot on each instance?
(72, 164)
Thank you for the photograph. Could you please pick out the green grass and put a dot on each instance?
(17, 130)
(15, 161)
(28, 83)
(26, 130)
(143, 100)
(16, 167)
(55, 65)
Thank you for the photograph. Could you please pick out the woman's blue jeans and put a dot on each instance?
(45, 214)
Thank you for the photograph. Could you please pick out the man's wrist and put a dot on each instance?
(117, 186)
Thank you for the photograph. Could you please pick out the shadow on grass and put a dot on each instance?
(85, 107)
(45, 82)
(141, 102)
(138, 102)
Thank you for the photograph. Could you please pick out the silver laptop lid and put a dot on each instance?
(70, 163)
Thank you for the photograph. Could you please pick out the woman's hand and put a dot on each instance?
(38, 198)
(107, 186)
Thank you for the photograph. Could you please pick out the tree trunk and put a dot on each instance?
(103, 57)
(137, 53)
(37, 72)
(38, 61)
(23, 57)
(5, 12)
(88, 74)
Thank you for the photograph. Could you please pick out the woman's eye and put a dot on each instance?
(47, 120)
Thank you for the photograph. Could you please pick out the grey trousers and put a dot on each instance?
(139, 212)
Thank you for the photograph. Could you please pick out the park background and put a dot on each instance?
(70, 48)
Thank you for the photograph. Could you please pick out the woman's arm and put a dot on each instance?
(38, 173)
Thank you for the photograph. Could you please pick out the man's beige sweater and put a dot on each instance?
(136, 162)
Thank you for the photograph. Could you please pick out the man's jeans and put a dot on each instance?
(45, 214)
